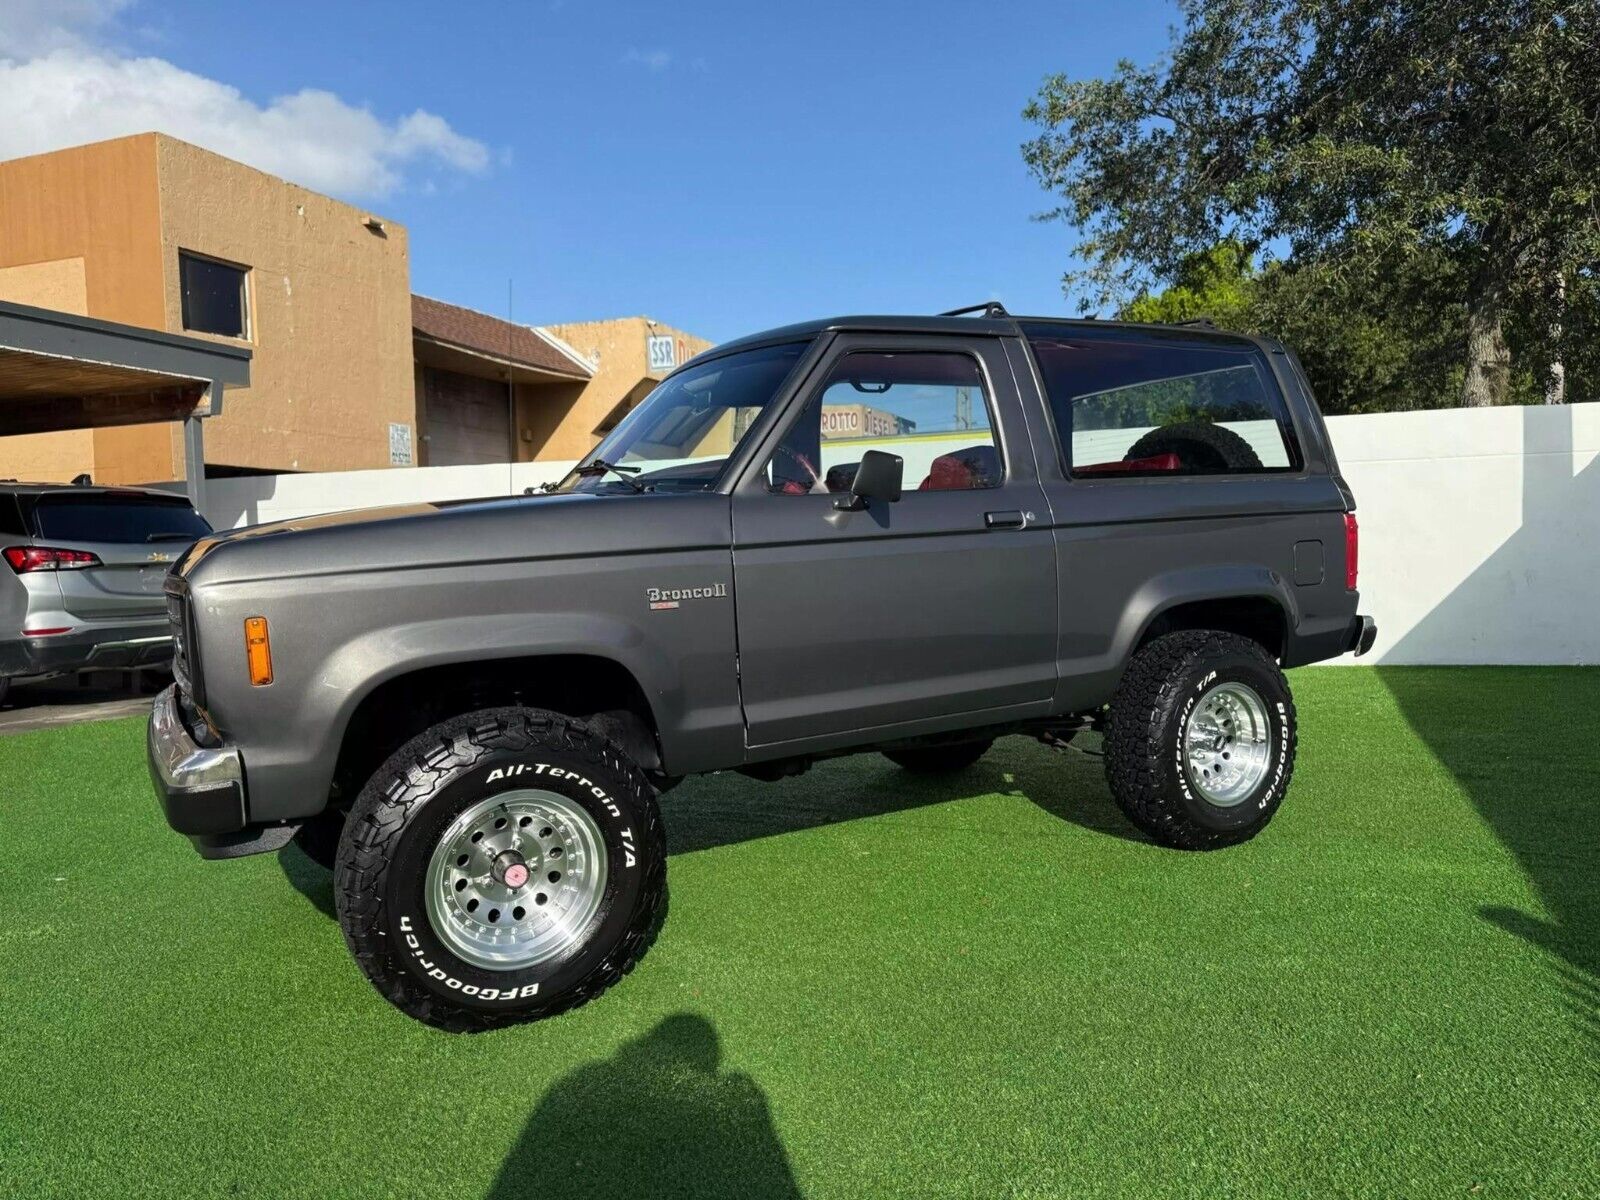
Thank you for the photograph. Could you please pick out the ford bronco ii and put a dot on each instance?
(909, 535)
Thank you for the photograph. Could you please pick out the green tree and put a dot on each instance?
(1374, 336)
(1219, 283)
(1461, 140)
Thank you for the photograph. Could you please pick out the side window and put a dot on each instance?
(1148, 407)
(12, 524)
(928, 407)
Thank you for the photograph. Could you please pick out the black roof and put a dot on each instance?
(993, 326)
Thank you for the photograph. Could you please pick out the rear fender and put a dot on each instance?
(1088, 683)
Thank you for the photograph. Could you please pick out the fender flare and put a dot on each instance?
(1162, 593)
(358, 667)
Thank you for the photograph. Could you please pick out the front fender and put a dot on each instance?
(330, 653)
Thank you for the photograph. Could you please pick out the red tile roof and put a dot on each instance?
(483, 334)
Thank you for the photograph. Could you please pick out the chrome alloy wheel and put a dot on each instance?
(515, 879)
(1227, 744)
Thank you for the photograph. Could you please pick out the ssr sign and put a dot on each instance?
(661, 351)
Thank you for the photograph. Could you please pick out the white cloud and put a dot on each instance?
(33, 27)
(653, 59)
(61, 89)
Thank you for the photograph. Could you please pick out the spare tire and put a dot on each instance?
(1199, 445)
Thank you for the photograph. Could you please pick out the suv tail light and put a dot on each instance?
(1352, 545)
(45, 558)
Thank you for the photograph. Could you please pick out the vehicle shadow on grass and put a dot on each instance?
(310, 879)
(1505, 734)
(729, 808)
(725, 809)
(658, 1118)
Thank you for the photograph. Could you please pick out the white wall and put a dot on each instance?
(254, 500)
(1480, 528)
(1480, 532)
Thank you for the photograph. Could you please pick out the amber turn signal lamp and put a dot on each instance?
(258, 651)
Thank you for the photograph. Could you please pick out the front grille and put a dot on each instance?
(180, 616)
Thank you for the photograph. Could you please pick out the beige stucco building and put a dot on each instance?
(101, 230)
(350, 370)
(628, 356)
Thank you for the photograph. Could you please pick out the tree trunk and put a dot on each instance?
(1555, 390)
(1488, 379)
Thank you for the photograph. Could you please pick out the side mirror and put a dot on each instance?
(877, 478)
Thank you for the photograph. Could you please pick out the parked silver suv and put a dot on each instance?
(81, 586)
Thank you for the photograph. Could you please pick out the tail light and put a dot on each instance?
(45, 558)
(1352, 545)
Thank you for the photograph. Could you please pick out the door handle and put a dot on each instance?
(1010, 519)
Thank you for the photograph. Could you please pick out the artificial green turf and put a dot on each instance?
(870, 985)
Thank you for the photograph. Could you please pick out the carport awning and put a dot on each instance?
(62, 371)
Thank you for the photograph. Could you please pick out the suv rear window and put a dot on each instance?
(100, 517)
(1148, 406)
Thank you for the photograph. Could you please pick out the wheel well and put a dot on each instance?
(597, 690)
(1255, 617)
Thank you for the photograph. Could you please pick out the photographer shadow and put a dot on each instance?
(658, 1118)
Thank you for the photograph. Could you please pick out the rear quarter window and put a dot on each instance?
(11, 523)
(1149, 407)
(110, 518)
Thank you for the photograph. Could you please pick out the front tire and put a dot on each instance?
(1200, 742)
(504, 866)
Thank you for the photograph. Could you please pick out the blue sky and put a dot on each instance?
(721, 167)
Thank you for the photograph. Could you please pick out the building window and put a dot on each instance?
(213, 296)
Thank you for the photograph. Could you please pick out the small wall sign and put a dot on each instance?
(400, 445)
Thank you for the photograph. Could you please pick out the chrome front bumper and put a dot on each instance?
(201, 788)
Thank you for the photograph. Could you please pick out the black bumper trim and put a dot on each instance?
(1363, 632)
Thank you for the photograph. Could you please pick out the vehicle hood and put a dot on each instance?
(406, 537)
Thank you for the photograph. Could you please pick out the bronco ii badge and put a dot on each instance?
(661, 598)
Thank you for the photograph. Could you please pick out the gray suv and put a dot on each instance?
(906, 535)
(81, 584)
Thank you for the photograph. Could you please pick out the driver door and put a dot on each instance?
(936, 611)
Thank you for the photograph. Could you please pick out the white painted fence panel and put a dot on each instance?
(1480, 532)
(257, 499)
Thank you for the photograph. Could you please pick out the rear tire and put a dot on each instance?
(939, 760)
(1200, 743)
(504, 866)
(5, 686)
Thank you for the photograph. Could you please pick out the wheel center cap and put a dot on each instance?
(510, 868)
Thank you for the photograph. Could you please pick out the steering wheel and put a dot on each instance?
(795, 487)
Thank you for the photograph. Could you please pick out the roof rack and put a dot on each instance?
(1195, 323)
(989, 308)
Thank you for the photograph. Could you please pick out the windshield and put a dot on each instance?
(130, 517)
(680, 436)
